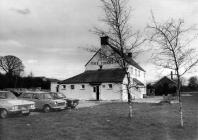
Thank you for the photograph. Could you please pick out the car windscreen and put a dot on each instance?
(58, 95)
(7, 95)
(47, 96)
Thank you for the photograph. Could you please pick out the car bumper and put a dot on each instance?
(58, 107)
(20, 111)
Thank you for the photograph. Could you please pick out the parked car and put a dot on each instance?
(71, 103)
(44, 100)
(10, 104)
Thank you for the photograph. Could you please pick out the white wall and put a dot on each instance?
(111, 94)
(136, 93)
(106, 64)
(78, 93)
(53, 86)
(88, 94)
(134, 73)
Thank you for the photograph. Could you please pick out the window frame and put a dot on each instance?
(110, 86)
(63, 87)
(82, 87)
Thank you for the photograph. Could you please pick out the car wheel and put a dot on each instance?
(46, 108)
(3, 113)
(26, 114)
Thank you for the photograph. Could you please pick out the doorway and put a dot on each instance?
(96, 89)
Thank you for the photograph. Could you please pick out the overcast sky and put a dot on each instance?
(48, 35)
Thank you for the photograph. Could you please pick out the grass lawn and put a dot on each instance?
(107, 121)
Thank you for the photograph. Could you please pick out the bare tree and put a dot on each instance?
(122, 38)
(11, 65)
(174, 52)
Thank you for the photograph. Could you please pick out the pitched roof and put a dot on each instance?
(163, 80)
(53, 80)
(133, 63)
(97, 76)
(138, 82)
(128, 59)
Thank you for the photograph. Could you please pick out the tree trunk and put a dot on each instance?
(180, 101)
(130, 110)
(181, 114)
(180, 109)
(129, 96)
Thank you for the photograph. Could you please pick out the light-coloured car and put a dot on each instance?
(44, 100)
(10, 104)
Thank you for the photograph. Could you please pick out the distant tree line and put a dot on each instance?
(10, 75)
(191, 86)
(23, 82)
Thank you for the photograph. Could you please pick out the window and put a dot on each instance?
(72, 87)
(3, 95)
(82, 86)
(64, 86)
(47, 96)
(131, 70)
(139, 73)
(103, 86)
(110, 86)
(135, 72)
(35, 96)
(27, 96)
(94, 89)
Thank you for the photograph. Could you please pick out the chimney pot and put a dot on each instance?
(129, 54)
(171, 75)
(104, 40)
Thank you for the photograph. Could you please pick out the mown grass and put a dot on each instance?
(106, 122)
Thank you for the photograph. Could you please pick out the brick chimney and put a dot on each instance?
(104, 40)
(129, 54)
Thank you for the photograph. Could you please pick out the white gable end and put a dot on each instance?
(98, 62)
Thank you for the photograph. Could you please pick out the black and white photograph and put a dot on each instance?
(98, 70)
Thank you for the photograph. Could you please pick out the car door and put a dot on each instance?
(27, 96)
(38, 100)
